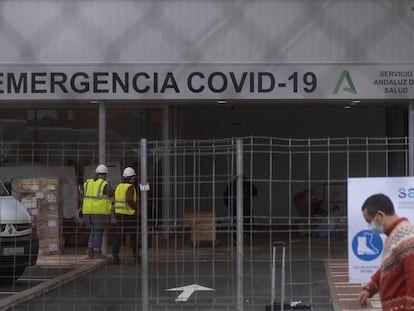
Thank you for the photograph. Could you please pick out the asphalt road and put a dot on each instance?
(118, 288)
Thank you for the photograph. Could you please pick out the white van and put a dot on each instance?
(19, 244)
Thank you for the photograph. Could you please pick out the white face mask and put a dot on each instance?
(374, 228)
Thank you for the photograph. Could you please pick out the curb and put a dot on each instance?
(334, 294)
(23, 296)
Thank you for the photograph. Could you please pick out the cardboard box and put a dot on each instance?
(203, 232)
(41, 198)
(202, 224)
(49, 246)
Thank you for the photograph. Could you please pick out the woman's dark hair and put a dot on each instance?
(378, 202)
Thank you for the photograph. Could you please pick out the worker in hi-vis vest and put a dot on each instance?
(96, 208)
(127, 214)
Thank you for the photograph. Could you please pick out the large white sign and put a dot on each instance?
(206, 81)
(364, 247)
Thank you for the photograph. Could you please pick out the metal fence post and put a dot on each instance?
(144, 187)
(239, 201)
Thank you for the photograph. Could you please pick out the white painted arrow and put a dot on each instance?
(187, 291)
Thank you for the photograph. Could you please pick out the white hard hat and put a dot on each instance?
(129, 172)
(101, 169)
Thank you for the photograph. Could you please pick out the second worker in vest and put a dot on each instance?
(127, 214)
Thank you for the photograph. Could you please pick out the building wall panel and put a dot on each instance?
(206, 31)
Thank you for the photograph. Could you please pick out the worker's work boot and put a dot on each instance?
(90, 252)
(116, 260)
(98, 254)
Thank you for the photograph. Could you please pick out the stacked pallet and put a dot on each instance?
(41, 198)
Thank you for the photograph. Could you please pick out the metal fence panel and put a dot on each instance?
(191, 257)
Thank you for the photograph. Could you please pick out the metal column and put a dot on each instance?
(102, 159)
(239, 201)
(166, 169)
(102, 133)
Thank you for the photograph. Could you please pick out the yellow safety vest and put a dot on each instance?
(94, 200)
(121, 205)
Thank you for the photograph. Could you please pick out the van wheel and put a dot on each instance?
(18, 273)
(10, 276)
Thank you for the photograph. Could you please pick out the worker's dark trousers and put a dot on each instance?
(126, 224)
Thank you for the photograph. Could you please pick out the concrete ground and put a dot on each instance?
(329, 272)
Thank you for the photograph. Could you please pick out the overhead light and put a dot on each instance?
(221, 102)
(355, 101)
(94, 102)
(347, 107)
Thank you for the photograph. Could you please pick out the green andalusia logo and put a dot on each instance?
(348, 86)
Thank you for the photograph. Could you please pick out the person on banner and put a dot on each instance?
(126, 213)
(394, 280)
(96, 208)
